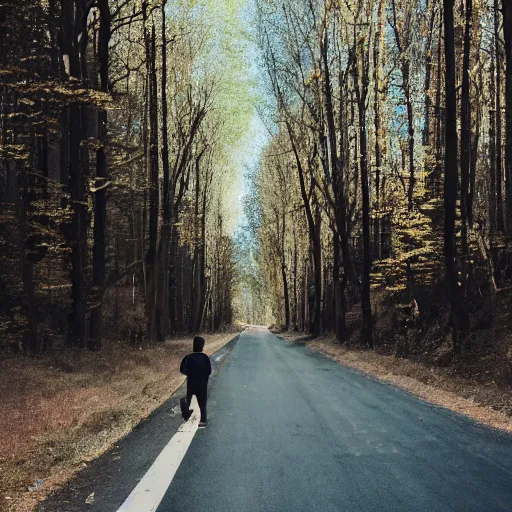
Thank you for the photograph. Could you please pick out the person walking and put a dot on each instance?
(197, 367)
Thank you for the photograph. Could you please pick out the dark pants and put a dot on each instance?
(200, 389)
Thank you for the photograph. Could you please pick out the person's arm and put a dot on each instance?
(208, 366)
(183, 365)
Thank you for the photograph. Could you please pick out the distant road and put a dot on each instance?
(291, 431)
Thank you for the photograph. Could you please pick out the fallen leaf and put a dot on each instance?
(90, 499)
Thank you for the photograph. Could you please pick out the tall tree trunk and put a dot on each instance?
(339, 294)
(377, 109)
(173, 272)
(197, 280)
(339, 194)
(492, 146)
(500, 224)
(163, 325)
(451, 178)
(73, 45)
(165, 131)
(365, 290)
(284, 275)
(410, 133)
(100, 194)
(295, 316)
(145, 149)
(465, 148)
(202, 262)
(151, 256)
(507, 32)
(361, 90)
(428, 73)
(465, 139)
(77, 231)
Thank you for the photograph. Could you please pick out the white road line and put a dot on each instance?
(149, 492)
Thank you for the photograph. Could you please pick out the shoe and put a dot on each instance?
(202, 424)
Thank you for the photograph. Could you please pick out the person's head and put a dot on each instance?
(198, 344)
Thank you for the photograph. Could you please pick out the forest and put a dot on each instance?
(379, 208)
(115, 171)
(383, 204)
(339, 171)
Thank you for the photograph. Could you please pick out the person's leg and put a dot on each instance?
(186, 412)
(190, 392)
(202, 397)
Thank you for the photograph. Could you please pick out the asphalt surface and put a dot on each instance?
(291, 431)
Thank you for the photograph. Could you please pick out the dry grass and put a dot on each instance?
(60, 412)
(486, 403)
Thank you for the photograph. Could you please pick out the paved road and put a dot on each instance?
(291, 431)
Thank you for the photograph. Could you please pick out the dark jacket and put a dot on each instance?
(197, 367)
